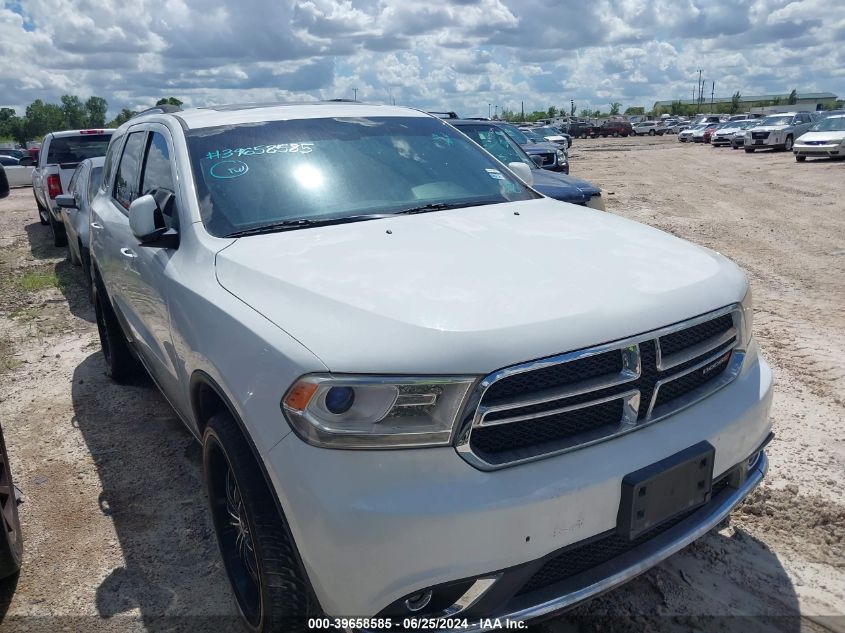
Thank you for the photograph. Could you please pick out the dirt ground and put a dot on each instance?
(117, 535)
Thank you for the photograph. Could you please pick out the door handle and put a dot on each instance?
(128, 252)
(96, 225)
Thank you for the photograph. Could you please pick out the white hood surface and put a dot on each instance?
(471, 290)
(830, 136)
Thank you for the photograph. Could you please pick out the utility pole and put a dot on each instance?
(698, 105)
(712, 91)
(355, 94)
(522, 109)
(489, 109)
(496, 114)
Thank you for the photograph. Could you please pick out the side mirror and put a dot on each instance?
(537, 160)
(66, 201)
(522, 171)
(26, 161)
(4, 183)
(146, 220)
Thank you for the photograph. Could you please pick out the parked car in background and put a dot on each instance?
(565, 188)
(11, 539)
(612, 128)
(826, 139)
(18, 170)
(778, 132)
(554, 135)
(725, 133)
(668, 126)
(651, 128)
(75, 208)
(14, 153)
(685, 136)
(708, 132)
(742, 117)
(60, 153)
(404, 354)
(553, 157)
(579, 129)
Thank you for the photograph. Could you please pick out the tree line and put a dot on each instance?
(71, 113)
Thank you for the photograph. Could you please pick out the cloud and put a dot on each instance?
(440, 54)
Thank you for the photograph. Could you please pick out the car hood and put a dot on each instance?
(770, 128)
(832, 136)
(537, 148)
(549, 184)
(471, 290)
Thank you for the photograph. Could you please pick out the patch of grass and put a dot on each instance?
(35, 280)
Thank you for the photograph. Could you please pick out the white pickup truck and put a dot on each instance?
(60, 153)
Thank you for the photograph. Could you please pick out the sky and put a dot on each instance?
(469, 56)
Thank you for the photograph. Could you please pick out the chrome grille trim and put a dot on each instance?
(475, 412)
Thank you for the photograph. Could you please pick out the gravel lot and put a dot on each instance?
(117, 536)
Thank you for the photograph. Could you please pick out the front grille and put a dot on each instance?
(579, 558)
(561, 403)
(548, 157)
(760, 135)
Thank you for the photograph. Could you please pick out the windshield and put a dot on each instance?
(259, 174)
(74, 149)
(831, 124)
(515, 133)
(534, 136)
(547, 131)
(497, 143)
(777, 120)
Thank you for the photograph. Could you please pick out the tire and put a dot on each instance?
(43, 214)
(651, 132)
(58, 230)
(11, 539)
(800, 159)
(788, 143)
(615, 134)
(121, 365)
(749, 150)
(258, 552)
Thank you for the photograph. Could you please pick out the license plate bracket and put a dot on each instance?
(660, 492)
(758, 142)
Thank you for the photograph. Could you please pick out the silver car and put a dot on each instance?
(778, 132)
(75, 208)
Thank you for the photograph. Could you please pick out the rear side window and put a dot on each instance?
(72, 150)
(94, 182)
(74, 180)
(8, 161)
(111, 159)
(126, 182)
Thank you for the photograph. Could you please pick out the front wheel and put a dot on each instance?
(651, 132)
(258, 553)
(615, 134)
(11, 541)
(787, 146)
(749, 150)
(800, 159)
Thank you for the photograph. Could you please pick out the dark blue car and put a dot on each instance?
(494, 139)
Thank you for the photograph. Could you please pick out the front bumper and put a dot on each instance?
(831, 150)
(773, 140)
(373, 527)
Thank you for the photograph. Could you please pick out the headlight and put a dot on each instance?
(347, 411)
(561, 157)
(748, 135)
(747, 319)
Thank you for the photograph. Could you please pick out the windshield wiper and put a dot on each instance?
(442, 206)
(305, 223)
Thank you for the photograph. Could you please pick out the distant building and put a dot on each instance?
(806, 101)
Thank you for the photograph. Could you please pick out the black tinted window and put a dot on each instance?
(126, 182)
(75, 149)
(8, 161)
(157, 179)
(111, 159)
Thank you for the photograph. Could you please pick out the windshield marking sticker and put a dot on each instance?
(281, 148)
(228, 169)
(495, 174)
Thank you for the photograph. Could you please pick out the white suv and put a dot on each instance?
(422, 388)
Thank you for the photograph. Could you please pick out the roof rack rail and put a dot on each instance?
(164, 108)
(445, 115)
